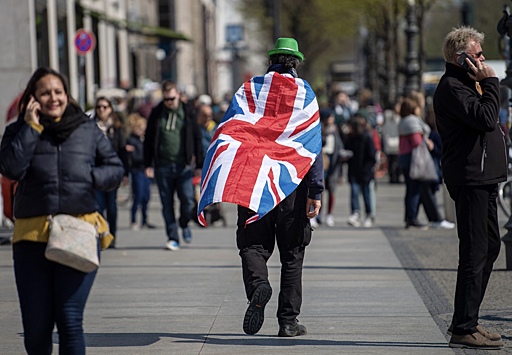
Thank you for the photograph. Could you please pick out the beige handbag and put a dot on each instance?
(73, 242)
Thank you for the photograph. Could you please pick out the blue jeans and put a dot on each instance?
(108, 201)
(49, 294)
(177, 178)
(141, 193)
(355, 188)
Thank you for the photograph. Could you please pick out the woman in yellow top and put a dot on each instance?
(59, 157)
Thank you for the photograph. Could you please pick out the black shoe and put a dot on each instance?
(291, 330)
(5, 241)
(148, 226)
(416, 224)
(255, 313)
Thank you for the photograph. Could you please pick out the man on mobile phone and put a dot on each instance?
(474, 162)
(462, 60)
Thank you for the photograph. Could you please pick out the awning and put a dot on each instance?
(135, 27)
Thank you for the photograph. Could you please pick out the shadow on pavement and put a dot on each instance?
(145, 339)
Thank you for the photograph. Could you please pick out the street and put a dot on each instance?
(381, 290)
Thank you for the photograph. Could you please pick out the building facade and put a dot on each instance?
(136, 42)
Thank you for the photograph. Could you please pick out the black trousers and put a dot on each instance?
(393, 169)
(479, 246)
(287, 224)
(428, 200)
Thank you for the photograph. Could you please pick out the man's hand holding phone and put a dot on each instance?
(32, 111)
(476, 69)
(467, 62)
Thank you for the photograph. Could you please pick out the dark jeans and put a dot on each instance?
(177, 178)
(107, 201)
(479, 246)
(288, 224)
(412, 189)
(49, 294)
(429, 201)
(355, 188)
(141, 193)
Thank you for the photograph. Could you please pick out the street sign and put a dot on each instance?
(234, 33)
(85, 41)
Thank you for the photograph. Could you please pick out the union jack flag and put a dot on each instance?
(268, 139)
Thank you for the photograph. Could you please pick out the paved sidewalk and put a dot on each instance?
(358, 298)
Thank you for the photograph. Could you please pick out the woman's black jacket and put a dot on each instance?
(58, 177)
(361, 166)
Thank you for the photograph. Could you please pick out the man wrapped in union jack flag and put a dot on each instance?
(265, 157)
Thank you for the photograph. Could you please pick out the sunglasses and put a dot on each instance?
(102, 107)
(170, 98)
(476, 55)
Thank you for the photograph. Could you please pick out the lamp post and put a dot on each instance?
(276, 19)
(412, 67)
(505, 29)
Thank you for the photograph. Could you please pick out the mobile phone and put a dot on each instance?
(462, 61)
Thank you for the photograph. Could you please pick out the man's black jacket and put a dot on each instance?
(474, 149)
(193, 144)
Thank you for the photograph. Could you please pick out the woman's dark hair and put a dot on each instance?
(116, 118)
(358, 124)
(30, 90)
(289, 61)
(103, 98)
(408, 107)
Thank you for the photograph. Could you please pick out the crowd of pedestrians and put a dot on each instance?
(362, 143)
(68, 162)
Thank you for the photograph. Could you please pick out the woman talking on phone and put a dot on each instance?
(59, 157)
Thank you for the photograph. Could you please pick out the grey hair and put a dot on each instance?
(458, 40)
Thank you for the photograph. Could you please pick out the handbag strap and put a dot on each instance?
(96, 223)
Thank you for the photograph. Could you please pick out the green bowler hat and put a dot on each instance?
(287, 46)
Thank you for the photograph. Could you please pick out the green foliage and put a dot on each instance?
(445, 15)
(328, 30)
(322, 27)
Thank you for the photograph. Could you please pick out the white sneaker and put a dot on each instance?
(172, 245)
(313, 222)
(329, 220)
(368, 222)
(354, 220)
(134, 227)
(444, 224)
(7, 223)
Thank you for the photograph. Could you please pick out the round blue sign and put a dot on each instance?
(85, 41)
